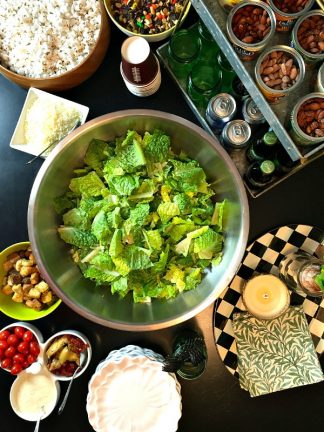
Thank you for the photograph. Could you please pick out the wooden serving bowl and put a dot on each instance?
(75, 76)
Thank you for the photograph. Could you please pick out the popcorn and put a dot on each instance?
(42, 39)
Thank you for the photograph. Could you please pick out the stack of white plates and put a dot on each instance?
(129, 392)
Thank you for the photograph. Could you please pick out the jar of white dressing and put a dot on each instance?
(34, 396)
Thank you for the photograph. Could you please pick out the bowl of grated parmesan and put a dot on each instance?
(45, 119)
(59, 49)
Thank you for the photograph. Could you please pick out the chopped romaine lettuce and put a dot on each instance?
(141, 219)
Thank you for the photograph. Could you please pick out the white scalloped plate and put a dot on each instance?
(133, 394)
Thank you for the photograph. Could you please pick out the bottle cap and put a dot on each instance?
(267, 167)
(251, 112)
(270, 138)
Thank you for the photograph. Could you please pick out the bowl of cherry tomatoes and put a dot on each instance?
(20, 346)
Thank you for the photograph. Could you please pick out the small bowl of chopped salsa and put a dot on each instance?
(65, 352)
(154, 20)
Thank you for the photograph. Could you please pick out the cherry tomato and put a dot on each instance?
(28, 336)
(18, 358)
(19, 332)
(3, 345)
(4, 335)
(34, 348)
(1, 354)
(10, 352)
(25, 364)
(30, 359)
(6, 363)
(16, 369)
(23, 348)
(12, 340)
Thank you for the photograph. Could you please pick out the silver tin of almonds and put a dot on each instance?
(307, 56)
(236, 134)
(320, 79)
(220, 110)
(275, 96)
(251, 112)
(300, 137)
(244, 50)
(284, 20)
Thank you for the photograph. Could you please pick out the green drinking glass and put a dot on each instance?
(203, 83)
(183, 52)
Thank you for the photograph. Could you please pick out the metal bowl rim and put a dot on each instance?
(242, 240)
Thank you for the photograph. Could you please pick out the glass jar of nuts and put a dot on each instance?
(278, 72)
(250, 27)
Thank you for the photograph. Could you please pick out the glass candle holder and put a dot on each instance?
(203, 83)
(266, 297)
(183, 52)
(302, 273)
(189, 355)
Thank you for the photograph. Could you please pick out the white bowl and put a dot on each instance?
(18, 141)
(85, 356)
(31, 415)
(38, 335)
(118, 392)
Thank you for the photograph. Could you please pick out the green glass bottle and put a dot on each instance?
(263, 148)
(282, 161)
(189, 355)
(260, 174)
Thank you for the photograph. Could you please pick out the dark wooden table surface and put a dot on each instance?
(215, 401)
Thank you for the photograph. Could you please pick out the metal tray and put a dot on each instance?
(214, 17)
(238, 156)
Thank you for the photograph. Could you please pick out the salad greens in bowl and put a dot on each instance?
(138, 219)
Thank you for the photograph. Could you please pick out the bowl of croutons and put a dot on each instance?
(24, 294)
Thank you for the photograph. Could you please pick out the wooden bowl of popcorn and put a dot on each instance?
(59, 49)
(24, 294)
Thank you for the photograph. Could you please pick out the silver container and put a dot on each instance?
(52, 254)
(220, 110)
(307, 56)
(320, 79)
(276, 96)
(300, 137)
(285, 20)
(244, 50)
(236, 135)
(251, 112)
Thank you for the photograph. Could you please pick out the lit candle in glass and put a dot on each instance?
(266, 296)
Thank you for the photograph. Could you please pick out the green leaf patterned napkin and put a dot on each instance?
(275, 354)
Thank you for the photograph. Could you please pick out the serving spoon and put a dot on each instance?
(77, 124)
(61, 407)
(39, 419)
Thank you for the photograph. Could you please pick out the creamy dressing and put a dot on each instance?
(34, 395)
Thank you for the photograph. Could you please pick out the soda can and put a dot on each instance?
(236, 135)
(220, 110)
(251, 112)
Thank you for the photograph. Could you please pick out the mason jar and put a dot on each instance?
(285, 20)
(274, 95)
(248, 51)
(308, 56)
(295, 131)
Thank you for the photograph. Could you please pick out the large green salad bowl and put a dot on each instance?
(96, 303)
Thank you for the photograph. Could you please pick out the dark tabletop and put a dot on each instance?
(214, 402)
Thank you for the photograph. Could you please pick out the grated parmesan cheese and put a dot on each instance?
(47, 122)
